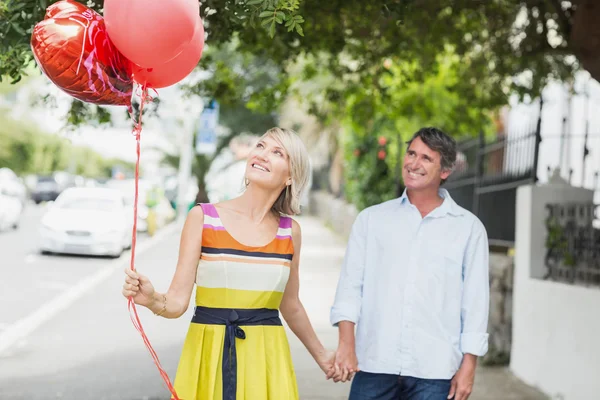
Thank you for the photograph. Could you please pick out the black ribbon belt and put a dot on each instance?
(234, 319)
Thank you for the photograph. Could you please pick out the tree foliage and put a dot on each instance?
(18, 17)
(506, 45)
(375, 68)
(377, 124)
(504, 37)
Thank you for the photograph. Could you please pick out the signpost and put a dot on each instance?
(206, 135)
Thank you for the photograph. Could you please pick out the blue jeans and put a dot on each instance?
(368, 386)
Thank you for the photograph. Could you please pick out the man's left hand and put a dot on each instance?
(462, 383)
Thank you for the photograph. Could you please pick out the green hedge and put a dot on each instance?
(27, 150)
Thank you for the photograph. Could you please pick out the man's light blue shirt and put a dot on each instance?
(417, 288)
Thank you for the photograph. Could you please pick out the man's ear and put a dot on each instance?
(446, 173)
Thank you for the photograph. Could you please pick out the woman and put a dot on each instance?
(243, 255)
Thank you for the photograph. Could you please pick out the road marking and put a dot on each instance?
(20, 329)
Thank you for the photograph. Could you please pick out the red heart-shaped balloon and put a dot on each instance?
(72, 48)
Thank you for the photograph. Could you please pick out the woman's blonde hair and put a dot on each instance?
(288, 201)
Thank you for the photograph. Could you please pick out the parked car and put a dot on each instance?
(46, 189)
(87, 221)
(13, 197)
(13, 186)
(11, 210)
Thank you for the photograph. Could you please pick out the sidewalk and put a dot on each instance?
(320, 261)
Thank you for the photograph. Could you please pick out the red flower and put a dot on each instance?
(382, 140)
(356, 152)
(381, 155)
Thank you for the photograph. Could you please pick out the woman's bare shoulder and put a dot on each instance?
(196, 214)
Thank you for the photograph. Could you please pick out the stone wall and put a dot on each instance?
(339, 216)
(500, 320)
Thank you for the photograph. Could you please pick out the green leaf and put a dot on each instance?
(300, 30)
(265, 14)
(18, 29)
(18, 7)
(272, 30)
(255, 2)
(267, 21)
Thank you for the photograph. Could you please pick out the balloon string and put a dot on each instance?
(135, 319)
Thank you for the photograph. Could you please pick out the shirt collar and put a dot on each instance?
(448, 206)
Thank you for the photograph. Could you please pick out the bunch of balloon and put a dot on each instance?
(98, 59)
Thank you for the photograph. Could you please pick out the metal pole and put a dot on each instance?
(561, 154)
(479, 172)
(538, 140)
(187, 118)
(568, 133)
(185, 168)
(587, 129)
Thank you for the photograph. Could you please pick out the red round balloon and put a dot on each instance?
(150, 32)
(72, 48)
(178, 68)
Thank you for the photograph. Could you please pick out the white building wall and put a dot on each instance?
(556, 326)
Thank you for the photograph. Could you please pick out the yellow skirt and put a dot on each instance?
(264, 365)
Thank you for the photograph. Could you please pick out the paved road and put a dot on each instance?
(90, 350)
(30, 279)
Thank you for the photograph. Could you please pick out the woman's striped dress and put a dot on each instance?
(251, 281)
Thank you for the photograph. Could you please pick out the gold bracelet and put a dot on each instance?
(164, 308)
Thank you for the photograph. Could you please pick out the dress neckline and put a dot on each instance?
(239, 242)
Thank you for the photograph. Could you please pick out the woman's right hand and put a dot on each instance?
(139, 287)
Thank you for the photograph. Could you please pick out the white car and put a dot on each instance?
(87, 221)
(12, 185)
(11, 209)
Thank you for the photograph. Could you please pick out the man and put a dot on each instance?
(415, 283)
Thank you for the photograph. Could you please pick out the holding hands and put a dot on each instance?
(345, 364)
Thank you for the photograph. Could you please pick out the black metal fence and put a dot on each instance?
(487, 176)
(573, 244)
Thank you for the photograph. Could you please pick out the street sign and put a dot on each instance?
(206, 134)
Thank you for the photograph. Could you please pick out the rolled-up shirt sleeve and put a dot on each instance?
(476, 293)
(348, 297)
